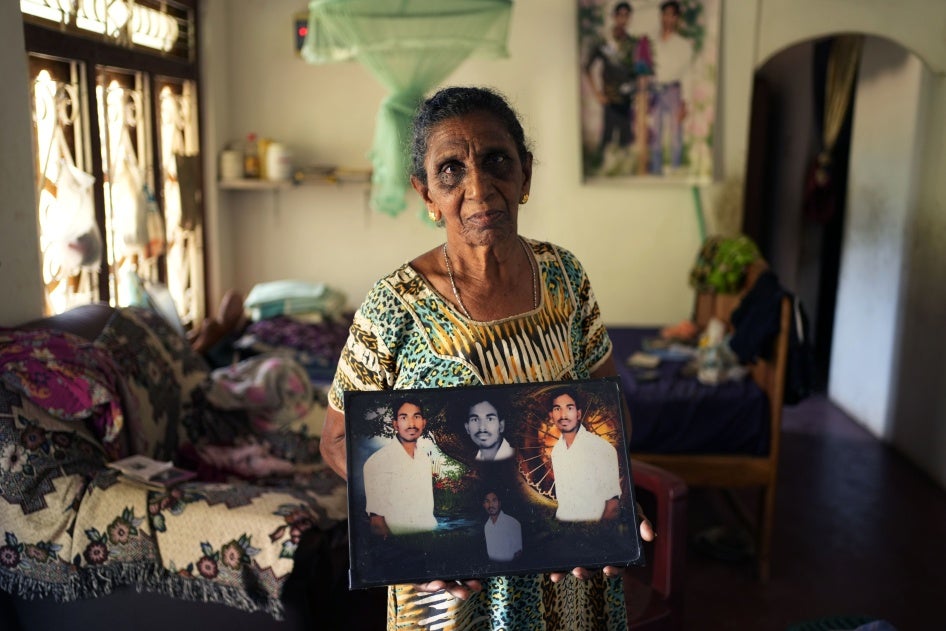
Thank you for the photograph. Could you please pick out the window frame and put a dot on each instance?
(49, 40)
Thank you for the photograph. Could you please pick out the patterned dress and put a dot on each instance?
(406, 335)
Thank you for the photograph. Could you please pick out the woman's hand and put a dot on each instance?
(332, 443)
(611, 571)
(458, 589)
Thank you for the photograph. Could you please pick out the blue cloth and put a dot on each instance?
(677, 414)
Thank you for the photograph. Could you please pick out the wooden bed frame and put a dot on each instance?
(730, 471)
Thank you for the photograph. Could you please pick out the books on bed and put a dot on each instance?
(154, 474)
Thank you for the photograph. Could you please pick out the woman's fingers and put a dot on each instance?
(583, 574)
(646, 528)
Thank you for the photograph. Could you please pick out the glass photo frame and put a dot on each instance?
(468, 482)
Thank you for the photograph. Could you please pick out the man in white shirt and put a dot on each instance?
(614, 52)
(399, 495)
(485, 425)
(673, 56)
(585, 466)
(503, 533)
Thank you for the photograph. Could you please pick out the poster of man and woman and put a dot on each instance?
(648, 77)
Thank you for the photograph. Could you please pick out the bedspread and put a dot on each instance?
(675, 413)
(71, 529)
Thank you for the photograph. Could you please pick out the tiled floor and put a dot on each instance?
(860, 531)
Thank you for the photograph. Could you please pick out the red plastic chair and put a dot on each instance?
(654, 593)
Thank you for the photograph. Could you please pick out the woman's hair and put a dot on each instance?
(453, 102)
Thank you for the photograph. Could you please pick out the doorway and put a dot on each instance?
(802, 246)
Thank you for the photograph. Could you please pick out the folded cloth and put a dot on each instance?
(68, 377)
(274, 389)
(281, 297)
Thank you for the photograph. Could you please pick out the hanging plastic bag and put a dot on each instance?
(73, 239)
(130, 201)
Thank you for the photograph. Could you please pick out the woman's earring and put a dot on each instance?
(524, 198)
(434, 217)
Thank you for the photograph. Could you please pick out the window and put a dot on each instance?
(115, 104)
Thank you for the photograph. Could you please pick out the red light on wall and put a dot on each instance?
(300, 23)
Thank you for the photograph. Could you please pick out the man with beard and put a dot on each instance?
(585, 465)
(485, 425)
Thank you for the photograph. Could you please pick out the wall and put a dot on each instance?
(638, 243)
(788, 76)
(216, 77)
(919, 398)
(881, 200)
(20, 282)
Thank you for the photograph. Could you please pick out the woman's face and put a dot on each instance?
(474, 178)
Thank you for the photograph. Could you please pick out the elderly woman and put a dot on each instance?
(450, 317)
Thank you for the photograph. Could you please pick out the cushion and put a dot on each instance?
(68, 377)
(163, 375)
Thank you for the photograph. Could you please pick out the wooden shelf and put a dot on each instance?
(254, 185)
(335, 176)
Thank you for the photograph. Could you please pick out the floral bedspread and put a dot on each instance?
(70, 528)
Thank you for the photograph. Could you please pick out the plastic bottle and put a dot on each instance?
(251, 163)
(262, 149)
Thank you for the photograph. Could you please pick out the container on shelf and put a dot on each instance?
(231, 164)
(251, 161)
(278, 162)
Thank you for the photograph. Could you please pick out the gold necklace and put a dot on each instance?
(456, 292)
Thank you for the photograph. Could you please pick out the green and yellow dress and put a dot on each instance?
(406, 335)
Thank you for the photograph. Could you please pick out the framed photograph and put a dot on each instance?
(648, 76)
(468, 482)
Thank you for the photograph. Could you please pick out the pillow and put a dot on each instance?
(163, 376)
(68, 377)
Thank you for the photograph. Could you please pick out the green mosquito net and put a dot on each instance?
(410, 46)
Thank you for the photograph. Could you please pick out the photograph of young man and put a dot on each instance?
(585, 465)
(399, 496)
(503, 533)
(485, 425)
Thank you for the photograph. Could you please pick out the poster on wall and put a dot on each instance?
(648, 73)
(490, 480)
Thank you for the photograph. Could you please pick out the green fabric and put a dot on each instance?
(410, 46)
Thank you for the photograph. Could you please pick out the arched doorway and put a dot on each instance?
(785, 131)
(851, 255)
